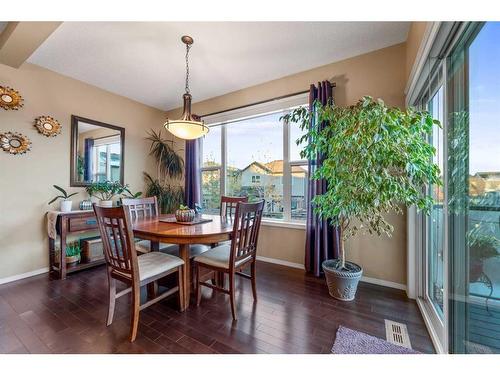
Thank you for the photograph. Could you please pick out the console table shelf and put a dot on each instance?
(76, 222)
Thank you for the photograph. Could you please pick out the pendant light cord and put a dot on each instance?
(187, 68)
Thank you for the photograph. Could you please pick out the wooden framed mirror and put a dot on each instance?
(97, 152)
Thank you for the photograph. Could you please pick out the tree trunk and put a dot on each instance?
(341, 246)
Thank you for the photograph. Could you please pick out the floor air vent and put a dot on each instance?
(397, 333)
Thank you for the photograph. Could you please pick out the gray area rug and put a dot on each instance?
(349, 341)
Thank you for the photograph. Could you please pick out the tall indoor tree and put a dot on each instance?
(375, 160)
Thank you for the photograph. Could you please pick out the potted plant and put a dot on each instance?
(169, 166)
(482, 246)
(105, 191)
(128, 194)
(184, 214)
(66, 203)
(375, 159)
(73, 253)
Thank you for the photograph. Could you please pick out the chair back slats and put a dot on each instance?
(228, 205)
(141, 208)
(117, 239)
(246, 228)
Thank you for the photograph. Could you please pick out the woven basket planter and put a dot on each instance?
(184, 216)
(342, 283)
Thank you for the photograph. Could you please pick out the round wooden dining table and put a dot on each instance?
(164, 229)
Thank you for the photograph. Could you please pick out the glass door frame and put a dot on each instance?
(437, 326)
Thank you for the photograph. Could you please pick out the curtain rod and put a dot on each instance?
(260, 102)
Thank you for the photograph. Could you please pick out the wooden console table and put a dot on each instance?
(71, 223)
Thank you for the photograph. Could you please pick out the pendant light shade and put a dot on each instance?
(188, 126)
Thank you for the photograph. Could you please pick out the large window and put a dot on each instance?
(256, 157)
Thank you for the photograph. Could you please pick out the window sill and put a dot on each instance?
(284, 224)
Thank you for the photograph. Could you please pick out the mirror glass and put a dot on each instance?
(7, 98)
(97, 152)
(15, 143)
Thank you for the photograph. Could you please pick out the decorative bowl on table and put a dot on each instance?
(184, 214)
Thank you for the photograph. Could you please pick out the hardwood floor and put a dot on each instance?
(294, 314)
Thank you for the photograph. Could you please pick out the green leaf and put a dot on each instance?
(61, 190)
(56, 198)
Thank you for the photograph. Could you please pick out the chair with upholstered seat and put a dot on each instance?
(141, 208)
(232, 258)
(123, 264)
(227, 210)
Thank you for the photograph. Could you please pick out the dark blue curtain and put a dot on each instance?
(322, 239)
(192, 176)
(89, 145)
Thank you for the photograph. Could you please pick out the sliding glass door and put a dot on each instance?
(458, 268)
(432, 291)
(474, 191)
(435, 221)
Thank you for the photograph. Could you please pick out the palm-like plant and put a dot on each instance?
(169, 197)
(169, 165)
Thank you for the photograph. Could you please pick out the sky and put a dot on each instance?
(258, 139)
(484, 100)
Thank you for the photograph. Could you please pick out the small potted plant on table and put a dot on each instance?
(184, 214)
(66, 203)
(375, 160)
(105, 191)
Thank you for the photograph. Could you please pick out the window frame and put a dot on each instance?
(231, 118)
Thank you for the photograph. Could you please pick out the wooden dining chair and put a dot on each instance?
(232, 258)
(227, 210)
(228, 204)
(123, 264)
(140, 208)
(143, 208)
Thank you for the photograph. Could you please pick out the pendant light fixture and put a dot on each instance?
(188, 126)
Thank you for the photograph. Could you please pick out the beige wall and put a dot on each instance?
(381, 74)
(29, 178)
(26, 180)
(415, 36)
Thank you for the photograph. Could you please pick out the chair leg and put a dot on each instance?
(254, 285)
(198, 285)
(220, 279)
(180, 283)
(231, 293)
(134, 316)
(112, 300)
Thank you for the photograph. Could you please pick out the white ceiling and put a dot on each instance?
(145, 60)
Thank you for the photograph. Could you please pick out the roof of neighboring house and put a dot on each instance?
(484, 182)
(275, 167)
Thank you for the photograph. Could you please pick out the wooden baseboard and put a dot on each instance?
(370, 280)
(25, 275)
(389, 284)
(280, 262)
